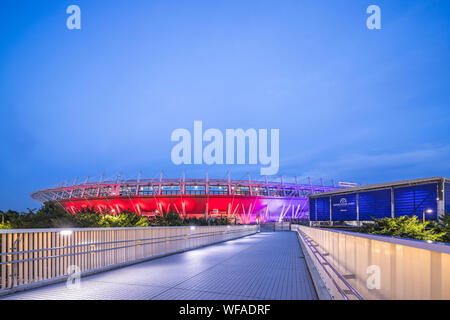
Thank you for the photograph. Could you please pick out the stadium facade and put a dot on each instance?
(426, 198)
(243, 201)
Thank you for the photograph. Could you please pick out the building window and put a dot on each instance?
(221, 190)
(148, 190)
(170, 190)
(195, 189)
(127, 190)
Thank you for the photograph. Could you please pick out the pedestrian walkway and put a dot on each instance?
(262, 266)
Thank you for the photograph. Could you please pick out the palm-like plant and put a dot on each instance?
(404, 227)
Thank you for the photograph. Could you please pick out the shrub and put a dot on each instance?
(443, 226)
(89, 218)
(124, 219)
(5, 225)
(403, 227)
(42, 218)
(52, 215)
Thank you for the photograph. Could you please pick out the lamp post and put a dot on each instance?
(423, 213)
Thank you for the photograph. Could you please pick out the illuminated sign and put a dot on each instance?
(347, 184)
(343, 204)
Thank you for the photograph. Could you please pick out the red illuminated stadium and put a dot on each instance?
(243, 201)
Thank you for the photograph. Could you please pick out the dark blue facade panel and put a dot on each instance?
(343, 207)
(375, 204)
(323, 209)
(410, 201)
(312, 209)
(447, 197)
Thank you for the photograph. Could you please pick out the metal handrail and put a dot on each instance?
(84, 252)
(38, 264)
(140, 243)
(316, 252)
(192, 236)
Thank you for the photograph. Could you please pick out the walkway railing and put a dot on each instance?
(338, 282)
(35, 257)
(379, 267)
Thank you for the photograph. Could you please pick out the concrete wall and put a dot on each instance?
(381, 267)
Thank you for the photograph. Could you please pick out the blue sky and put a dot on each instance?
(351, 103)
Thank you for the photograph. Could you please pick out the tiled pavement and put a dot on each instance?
(262, 266)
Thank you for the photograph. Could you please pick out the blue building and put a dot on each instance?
(429, 198)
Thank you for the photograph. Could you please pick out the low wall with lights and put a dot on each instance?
(36, 257)
(378, 267)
